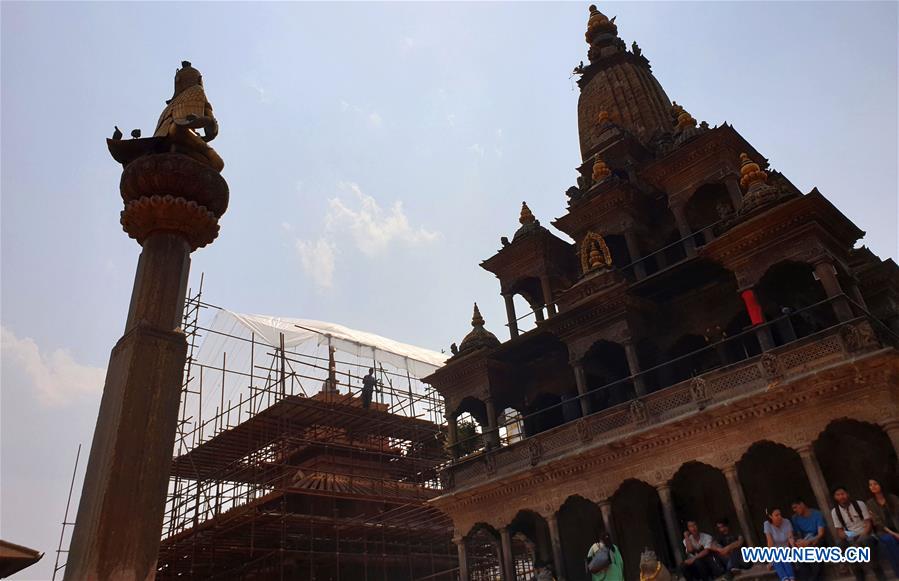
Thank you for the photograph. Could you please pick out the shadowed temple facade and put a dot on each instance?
(714, 343)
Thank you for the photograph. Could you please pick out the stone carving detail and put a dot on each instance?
(698, 389)
(583, 430)
(771, 366)
(663, 476)
(594, 253)
(637, 411)
(168, 213)
(490, 463)
(852, 339)
(535, 450)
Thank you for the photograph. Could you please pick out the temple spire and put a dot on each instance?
(526, 217)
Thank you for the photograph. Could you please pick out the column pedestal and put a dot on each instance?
(463, 559)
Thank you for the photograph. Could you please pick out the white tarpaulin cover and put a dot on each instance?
(418, 361)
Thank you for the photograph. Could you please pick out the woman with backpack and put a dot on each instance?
(604, 562)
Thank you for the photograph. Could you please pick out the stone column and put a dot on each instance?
(452, 435)
(891, 427)
(826, 273)
(508, 561)
(819, 485)
(633, 248)
(605, 508)
(757, 318)
(538, 313)
(556, 541)
(674, 534)
(686, 233)
(547, 295)
(856, 293)
(733, 188)
(172, 206)
(739, 500)
(492, 429)
(463, 558)
(634, 365)
(580, 377)
(510, 314)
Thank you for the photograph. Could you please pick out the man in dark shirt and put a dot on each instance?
(808, 530)
(726, 548)
(368, 387)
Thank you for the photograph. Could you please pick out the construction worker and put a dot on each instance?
(368, 387)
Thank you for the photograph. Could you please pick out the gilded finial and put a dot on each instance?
(526, 217)
(596, 258)
(750, 172)
(685, 120)
(603, 117)
(600, 170)
(598, 23)
(476, 319)
(594, 253)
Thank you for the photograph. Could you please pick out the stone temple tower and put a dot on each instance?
(619, 82)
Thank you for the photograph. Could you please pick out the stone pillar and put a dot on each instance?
(686, 233)
(556, 541)
(580, 377)
(892, 429)
(826, 273)
(819, 485)
(492, 438)
(733, 188)
(757, 318)
(463, 558)
(510, 314)
(634, 365)
(739, 500)
(605, 507)
(856, 293)
(452, 435)
(547, 295)
(633, 248)
(674, 534)
(172, 206)
(508, 561)
(538, 313)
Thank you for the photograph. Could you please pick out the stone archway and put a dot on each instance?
(700, 493)
(850, 452)
(772, 476)
(580, 525)
(640, 523)
(530, 542)
(483, 552)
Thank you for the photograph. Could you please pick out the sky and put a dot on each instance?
(375, 154)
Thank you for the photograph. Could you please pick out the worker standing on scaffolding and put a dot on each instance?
(368, 387)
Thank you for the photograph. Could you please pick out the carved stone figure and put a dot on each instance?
(185, 114)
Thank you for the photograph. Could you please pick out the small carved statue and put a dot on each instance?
(454, 349)
(636, 49)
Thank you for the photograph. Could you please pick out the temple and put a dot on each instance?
(709, 325)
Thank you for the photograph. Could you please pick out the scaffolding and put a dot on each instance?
(280, 471)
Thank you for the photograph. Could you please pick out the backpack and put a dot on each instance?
(852, 504)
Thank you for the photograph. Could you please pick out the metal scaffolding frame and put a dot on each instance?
(296, 478)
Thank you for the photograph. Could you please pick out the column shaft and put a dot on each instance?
(686, 233)
(580, 377)
(492, 429)
(819, 485)
(547, 295)
(508, 562)
(463, 559)
(733, 188)
(633, 248)
(556, 541)
(827, 275)
(757, 318)
(605, 507)
(510, 314)
(634, 364)
(739, 500)
(674, 533)
(452, 436)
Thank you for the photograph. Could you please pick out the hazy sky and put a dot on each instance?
(375, 154)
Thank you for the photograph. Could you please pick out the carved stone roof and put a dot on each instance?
(479, 337)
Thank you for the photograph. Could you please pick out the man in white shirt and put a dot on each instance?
(700, 564)
(854, 526)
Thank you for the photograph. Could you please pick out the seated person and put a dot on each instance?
(808, 531)
(700, 564)
(726, 547)
(779, 533)
(855, 528)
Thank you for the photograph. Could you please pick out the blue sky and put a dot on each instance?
(376, 153)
